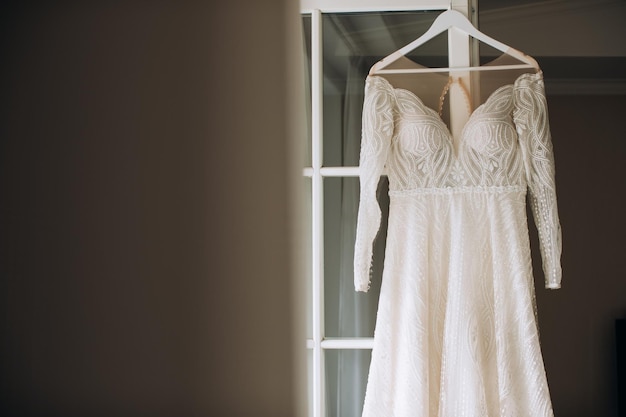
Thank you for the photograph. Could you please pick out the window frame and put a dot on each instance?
(459, 55)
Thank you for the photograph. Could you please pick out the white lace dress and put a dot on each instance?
(456, 332)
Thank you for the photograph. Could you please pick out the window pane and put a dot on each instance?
(346, 379)
(352, 43)
(306, 37)
(309, 385)
(307, 256)
(348, 313)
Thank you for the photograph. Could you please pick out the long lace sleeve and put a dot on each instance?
(531, 120)
(377, 129)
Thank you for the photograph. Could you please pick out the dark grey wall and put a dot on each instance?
(144, 219)
(577, 322)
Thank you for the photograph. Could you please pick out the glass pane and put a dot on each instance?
(352, 43)
(346, 379)
(306, 37)
(349, 313)
(309, 379)
(307, 255)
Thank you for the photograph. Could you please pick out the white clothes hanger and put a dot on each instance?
(447, 20)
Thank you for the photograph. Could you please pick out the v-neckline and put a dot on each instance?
(454, 141)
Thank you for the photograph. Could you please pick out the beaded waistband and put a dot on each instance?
(459, 190)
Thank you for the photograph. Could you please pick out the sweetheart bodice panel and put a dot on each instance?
(423, 154)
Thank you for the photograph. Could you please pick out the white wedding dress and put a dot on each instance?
(456, 332)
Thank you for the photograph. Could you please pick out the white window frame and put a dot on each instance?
(459, 55)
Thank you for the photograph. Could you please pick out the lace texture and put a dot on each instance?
(456, 331)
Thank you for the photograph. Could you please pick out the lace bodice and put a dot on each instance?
(505, 145)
